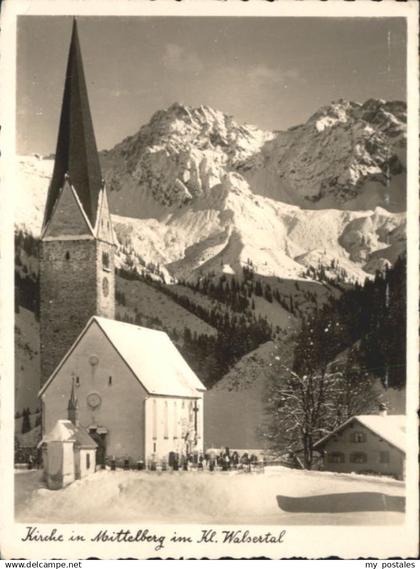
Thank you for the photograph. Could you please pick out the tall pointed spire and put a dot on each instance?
(76, 152)
(73, 407)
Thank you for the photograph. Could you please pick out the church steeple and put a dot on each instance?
(76, 152)
(77, 248)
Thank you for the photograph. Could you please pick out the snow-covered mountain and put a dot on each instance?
(194, 191)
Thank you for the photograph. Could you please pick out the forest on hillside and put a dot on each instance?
(368, 318)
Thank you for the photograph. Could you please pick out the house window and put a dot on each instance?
(166, 421)
(358, 437)
(105, 260)
(358, 457)
(384, 457)
(87, 461)
(77, 380)
(67, 256)
(336, 457)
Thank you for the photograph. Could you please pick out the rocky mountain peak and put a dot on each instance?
(194, 190)
(181, 153)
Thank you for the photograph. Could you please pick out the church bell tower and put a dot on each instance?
(77, 242)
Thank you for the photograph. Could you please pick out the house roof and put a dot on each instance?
(390, 428)
(151, 356)
(76, 151)
(65, 431)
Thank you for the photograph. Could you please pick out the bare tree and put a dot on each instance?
(302, 409)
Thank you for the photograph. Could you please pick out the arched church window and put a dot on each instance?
(105, 260)
(175, 420)
(110, 380)
(67, 256)
(154, 419)
(166, 421)
(191, 411)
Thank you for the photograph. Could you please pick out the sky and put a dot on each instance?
(271, 72)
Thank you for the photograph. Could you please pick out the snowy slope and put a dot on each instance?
(232, 225)
(280, 497)
(244, 388)
(193, 191)
(347, 156)
(205, 180)
(151, 308)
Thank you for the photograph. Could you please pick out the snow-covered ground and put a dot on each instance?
(279, 496)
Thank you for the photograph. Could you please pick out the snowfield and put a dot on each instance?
(279, 496)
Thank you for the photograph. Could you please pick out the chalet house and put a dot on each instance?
(137, 396)
(366, 444)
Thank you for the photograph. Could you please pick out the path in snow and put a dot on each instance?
(280, 496)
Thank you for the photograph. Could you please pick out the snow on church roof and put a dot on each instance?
(390, 428)
(153, 358)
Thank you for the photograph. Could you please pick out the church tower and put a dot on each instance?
(77, 242)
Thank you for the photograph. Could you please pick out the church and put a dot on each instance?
(135, 394)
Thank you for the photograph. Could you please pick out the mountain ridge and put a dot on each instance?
(196, 192)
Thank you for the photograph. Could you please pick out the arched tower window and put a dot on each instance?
(105, 260)
(67, 256)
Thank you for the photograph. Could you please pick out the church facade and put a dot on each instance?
(136, 395)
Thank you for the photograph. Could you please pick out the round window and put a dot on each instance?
(94, 400)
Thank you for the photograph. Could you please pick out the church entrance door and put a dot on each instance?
(100, 440)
